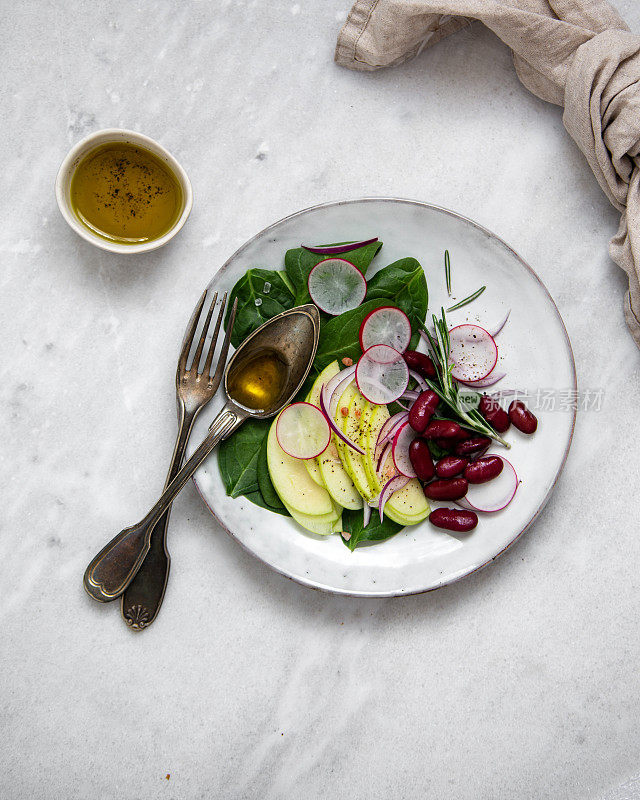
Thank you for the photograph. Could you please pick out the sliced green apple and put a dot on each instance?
(292, 481)
(354, 403)
(313, 464)
(408, 506)
(336, 479)
(317, 524)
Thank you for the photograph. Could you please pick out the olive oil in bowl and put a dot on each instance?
(125, 193)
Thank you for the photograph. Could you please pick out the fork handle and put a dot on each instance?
(115, 566)
(141, 601)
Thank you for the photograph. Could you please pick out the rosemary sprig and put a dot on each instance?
(447, 388)
(467, 300)
(447, 271)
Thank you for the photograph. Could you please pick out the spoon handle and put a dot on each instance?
(115, 566)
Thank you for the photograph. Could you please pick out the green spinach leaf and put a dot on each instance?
(402, 284)
(261, 293)
(299, 262)
(375, 531)
(238, 457)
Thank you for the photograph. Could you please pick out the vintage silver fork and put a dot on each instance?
(143, 587)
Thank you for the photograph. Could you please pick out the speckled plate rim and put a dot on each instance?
(311, 584)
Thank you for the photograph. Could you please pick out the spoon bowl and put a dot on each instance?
(288, 342)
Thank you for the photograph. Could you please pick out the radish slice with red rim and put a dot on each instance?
(336, 249)
(492, 377)
(382, 375)
(336, 286)
(495, 494)
(401, 442)
(303, 431)
(332, 424)
(473, 352)
(392, 485)
(386, 325)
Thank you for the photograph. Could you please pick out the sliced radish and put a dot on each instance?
(303, 431)
(336, 249)
(332, 424)
(492, 377)
(382, 374)
(336, 286)
(387, 325)
(401, 442)
(391, 486)
(500, 325)
(495, 494)
(473, 352)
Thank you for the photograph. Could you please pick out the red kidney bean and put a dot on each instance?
(450, 466)
(493, 412)
(445, 444)
(447, 489)
(452, 519)
(522, 418)
(484, 469)
(420, 457)
(473, 448)
(441, 429)
(422, 410)
(420, 362)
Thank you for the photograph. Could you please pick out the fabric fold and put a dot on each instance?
(575, 53)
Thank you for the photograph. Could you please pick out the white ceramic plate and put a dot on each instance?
(534, 351)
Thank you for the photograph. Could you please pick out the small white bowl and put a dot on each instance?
(107, 136)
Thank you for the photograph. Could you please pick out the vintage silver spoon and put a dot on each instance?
(262, 377)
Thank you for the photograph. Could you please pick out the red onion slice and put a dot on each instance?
(336, 249)
(392, 485)
(473, 352)
(424, 386)
(335, 388)
(494, 495)
(401, 442)
(384, 454)
(366, 514)
(500, 325)
(334, 427)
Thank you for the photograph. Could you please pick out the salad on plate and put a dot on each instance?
(397, 422)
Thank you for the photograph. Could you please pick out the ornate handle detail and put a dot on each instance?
(115, 566)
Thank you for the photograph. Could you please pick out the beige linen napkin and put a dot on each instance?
(576, 53)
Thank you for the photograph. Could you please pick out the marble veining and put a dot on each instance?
(517, 682)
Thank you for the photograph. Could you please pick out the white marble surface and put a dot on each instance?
(519, 682)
